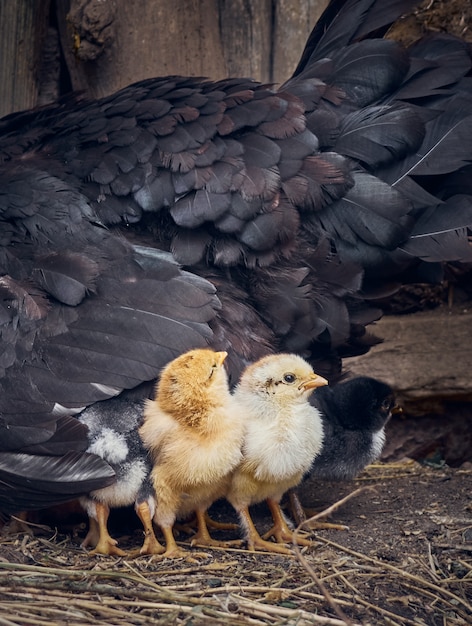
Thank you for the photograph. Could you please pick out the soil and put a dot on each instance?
(406, 559)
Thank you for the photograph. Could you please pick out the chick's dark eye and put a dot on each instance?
(386, 404)
(289, 378)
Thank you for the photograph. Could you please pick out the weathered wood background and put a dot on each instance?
(108, 44)
(422, 355)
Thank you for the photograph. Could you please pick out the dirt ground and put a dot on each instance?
(406, 560)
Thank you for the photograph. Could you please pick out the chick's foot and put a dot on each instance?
(98, 535)
(150, 545)
(280, 530)
(302, 515)
(203, 537)
(254, 540)
(107, 546)
(188, 526)
(258, 543)
(173, 551)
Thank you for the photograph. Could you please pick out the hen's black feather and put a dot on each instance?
(180, 212)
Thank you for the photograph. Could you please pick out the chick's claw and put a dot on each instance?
(258, 543)
(180, 553)
(214, 543)
(93, 536)
(282, 536)
(151, 546)
(203, 537)
(98, 534)
(280, 530)
(189, 525)
(107, 546)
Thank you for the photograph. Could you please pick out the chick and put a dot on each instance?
(193, 430)
(113, 433)
(282, 437)
(354, 415)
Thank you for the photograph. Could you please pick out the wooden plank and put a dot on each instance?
(22, 28)
(246, 38)
(143, 39)
(108, 49)
(423, 355)
(293, 22)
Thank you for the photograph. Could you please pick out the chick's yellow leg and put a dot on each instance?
(173, 551)
(151, 545)
(211, 523)
(280, 530)
(189, 525)
(300, 515)
(105, 544)
(203, 537)
(254, 540)
(93, 535)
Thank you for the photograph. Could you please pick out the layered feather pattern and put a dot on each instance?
(181, 212)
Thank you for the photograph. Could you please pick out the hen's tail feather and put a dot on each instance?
(346, 21)
(29, 482)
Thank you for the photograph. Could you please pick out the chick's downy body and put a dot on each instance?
(193, 430)
(114, 437)
(283, 435)
(354, 415)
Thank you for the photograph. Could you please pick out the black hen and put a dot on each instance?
(289, 209)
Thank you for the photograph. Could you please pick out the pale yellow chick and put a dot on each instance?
(193, 430)
(284, 433)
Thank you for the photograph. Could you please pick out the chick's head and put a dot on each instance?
(193, 383)
(281, 378)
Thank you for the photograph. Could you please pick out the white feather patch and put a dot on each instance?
(124, 491)
(378, 442)
(110, 445)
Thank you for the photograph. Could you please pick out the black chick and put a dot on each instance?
(288, 208)
(114, 437)
(354, 415)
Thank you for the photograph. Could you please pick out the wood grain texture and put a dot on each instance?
(22, 27)
(212, 38)
(422, 355)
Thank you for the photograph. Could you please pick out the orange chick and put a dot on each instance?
(194, 432)
(283, 435)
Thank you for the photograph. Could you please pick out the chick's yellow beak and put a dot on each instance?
(220, 357)
(314, 381)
